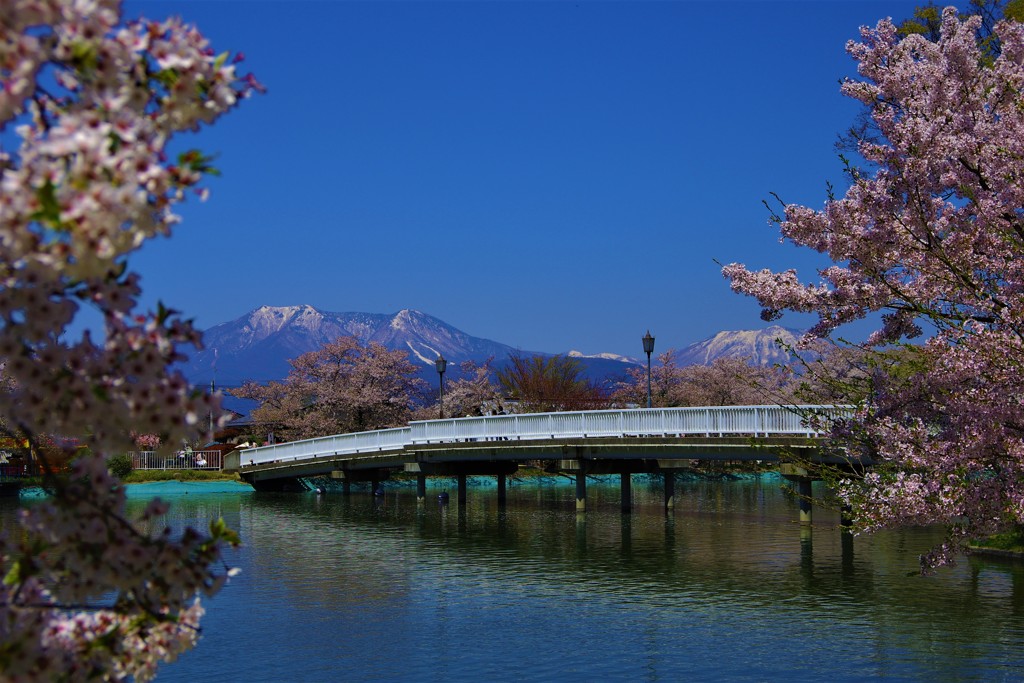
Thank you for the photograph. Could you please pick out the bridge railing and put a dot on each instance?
(702, 421)
(338, 444)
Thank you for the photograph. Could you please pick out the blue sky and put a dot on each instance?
(550, 175)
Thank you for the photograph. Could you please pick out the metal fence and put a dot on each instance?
(12, 472)
(182, 460)
(706, 421)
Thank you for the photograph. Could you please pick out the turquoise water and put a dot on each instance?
(728, 587)
(170, 490)
(163, 489)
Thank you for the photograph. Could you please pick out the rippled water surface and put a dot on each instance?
(728, 587)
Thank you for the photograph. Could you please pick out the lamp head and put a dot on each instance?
(648, 341)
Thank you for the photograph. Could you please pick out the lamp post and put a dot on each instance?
(648, 341)
(441, 364)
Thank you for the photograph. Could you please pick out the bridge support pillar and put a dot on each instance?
(462, 489)
(803, 479)
(626, 491)
(581, 491)
(346, 487)
(804, 489)
(501, 491)
(421, 488)
(846, 519)
(670, 490)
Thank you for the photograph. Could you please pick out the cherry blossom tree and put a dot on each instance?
(725, 382)
(345, 386)
(88, 108)
(931, 244)
(146, 442)
(276, 406)
(472, 393)
(665, 384)
(927, 20)
(830, 372)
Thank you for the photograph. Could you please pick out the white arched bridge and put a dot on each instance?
(628, 441)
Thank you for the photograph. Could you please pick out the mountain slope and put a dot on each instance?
(757, 345)
(259, 344)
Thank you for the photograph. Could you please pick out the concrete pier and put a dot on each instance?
(670, 490)
(421, 488)
(581, 491)
(626, 491)
(804, 489)
(803, 480)
(462, 489)
(501, 491)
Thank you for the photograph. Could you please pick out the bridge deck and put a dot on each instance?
(663, 438)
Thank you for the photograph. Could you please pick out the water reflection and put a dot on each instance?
(729, 585)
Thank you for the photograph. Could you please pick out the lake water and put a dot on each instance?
(728, 587)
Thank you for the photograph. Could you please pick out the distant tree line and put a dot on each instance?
(348, 386)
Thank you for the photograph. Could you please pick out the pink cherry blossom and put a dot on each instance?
(930, 234)
(88, 593)
(345, 386)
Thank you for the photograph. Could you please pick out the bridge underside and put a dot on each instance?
(571, 456)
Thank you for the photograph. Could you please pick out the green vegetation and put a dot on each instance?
(1010, 541)
(120, 466)
(143, 476)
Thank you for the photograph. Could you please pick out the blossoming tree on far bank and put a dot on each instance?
(345, 386)
(88, 107)
(932, 238)
(728, 381)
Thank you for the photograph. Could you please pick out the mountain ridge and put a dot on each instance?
(758, 345)
(257, 345)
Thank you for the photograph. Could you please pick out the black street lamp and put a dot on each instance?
(648, 341)
(441, 364)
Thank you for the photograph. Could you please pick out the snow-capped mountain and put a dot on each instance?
(603, 356)
(758, 346)
(258, 345)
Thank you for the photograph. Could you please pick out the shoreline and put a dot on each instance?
(996, 552)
